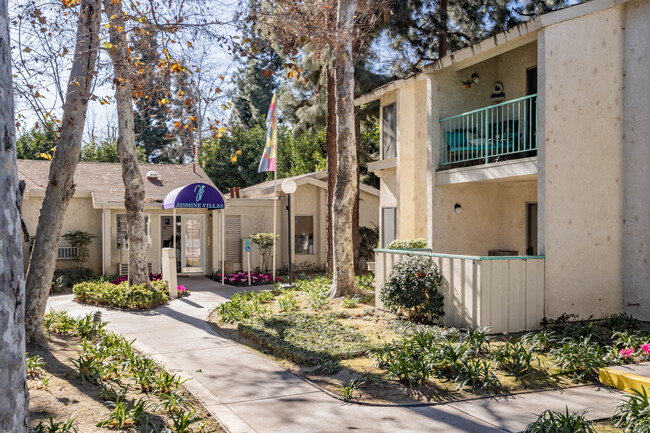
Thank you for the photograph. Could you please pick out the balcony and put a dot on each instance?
(503, 293)
(496, 133)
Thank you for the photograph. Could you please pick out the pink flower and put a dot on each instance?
(181, 288)
(646, 348)
(626, 353)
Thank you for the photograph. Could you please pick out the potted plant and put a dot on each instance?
(466, 83)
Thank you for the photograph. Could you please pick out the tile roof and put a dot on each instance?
(104, 180)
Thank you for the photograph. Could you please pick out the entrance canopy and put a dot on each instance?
(194, 196)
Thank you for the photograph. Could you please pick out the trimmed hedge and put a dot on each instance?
(407, 244)
(305, 338)
(135, 297)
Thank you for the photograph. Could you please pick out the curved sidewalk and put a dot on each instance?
(247, 392)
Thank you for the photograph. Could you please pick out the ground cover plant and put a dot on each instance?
(633, 414)
(121, 295)
(100, 383)
(413, 361)
(561, 422)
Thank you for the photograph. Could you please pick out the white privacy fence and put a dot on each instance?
(505, 294)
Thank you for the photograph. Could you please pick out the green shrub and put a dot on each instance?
(407, 244)
(412, 288)
(121, 295)
(305, 338)
(59, 322)
(243, 305)
(287, 300)
(515, 358)
(560, 422)
(633, 414)
(65, 278)
(316, 291)
(581, 358)
(366, 282)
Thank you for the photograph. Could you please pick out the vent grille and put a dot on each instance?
(233, 238)
(124, 268)
(67, 253)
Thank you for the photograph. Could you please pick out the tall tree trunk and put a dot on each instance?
(355, 214)
(133, 183)
(330, 149)
(347, 158)
(60, 187)
(14, 400)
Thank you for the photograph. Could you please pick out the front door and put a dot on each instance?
(191, 244)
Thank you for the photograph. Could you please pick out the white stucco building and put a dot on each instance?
(546, 157)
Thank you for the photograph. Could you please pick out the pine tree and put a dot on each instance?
(256, 80)
(151, 97)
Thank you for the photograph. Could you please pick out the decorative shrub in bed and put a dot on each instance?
(305, 338)
(120, 295)
(407, 244)
(68, 277)
(412, 289)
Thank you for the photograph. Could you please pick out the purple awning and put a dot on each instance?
(194, 196)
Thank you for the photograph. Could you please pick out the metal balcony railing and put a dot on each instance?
(501, 131)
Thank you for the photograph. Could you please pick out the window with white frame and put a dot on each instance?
(388, 132)
(122, 236)
(388, 225)
(304, 238)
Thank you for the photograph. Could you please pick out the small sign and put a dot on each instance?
(248, 245)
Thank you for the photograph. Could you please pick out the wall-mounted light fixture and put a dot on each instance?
(475, 78)
(458, 208)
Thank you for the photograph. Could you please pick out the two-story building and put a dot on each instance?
(532, 182)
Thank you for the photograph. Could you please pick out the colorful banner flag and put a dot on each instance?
(270, 151)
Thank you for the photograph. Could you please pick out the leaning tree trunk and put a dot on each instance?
(347, 158)
(60, 187)
(14, 400)
(133, 183)
(330, 149)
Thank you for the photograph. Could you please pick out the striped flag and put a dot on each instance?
(270, 151)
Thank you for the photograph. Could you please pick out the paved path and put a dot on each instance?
(249, 393)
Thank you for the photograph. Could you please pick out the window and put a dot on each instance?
(388, 225)
(122, 237)
(304, 238)
(388, 132)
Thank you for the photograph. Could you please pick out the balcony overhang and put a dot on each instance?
(517, 170)
(384, 164)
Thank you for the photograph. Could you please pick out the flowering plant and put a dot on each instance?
(123, 278)
(628, 352)
(182, 291)
(241, 278)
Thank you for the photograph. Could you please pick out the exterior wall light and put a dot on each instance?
(475, 78)
(458, 208)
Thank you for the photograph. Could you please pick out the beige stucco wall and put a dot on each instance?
(636, 160)
(493, 217)
(79, 215)
(412, 160)
(583, 164)
(509, 68)
(116, 256)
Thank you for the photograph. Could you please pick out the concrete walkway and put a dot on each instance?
(247, 392)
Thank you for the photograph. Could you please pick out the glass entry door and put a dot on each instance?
(191, 244)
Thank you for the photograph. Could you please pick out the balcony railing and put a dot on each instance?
(501, 131)
(503, 293)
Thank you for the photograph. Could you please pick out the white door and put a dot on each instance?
(191, 244)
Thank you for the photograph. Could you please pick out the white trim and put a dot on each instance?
(383, 164)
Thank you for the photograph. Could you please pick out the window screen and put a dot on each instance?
(388, 133)
(304, 238)
(388, 225)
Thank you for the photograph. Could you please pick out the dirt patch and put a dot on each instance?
(60, 394)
